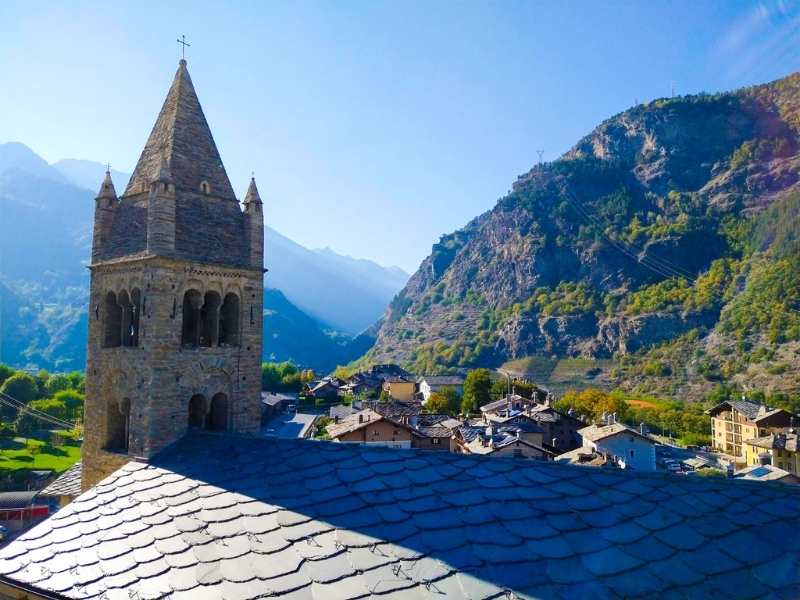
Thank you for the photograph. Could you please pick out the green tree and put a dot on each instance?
(5, 372)
(73, 403)
(444, 401)
(21, 387)
(41, 382)
(56, 383)
(477, 390)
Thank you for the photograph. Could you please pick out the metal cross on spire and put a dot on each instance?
(183, 43)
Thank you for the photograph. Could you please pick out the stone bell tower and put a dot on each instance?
(176, 297)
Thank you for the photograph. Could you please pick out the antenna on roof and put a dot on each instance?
(541, 154)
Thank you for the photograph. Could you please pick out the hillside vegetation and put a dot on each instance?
(666, 240)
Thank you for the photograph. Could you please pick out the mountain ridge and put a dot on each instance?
(587, 255)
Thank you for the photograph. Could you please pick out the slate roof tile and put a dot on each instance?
(317, 521)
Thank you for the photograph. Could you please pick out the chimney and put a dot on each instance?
(360, 417)
(336, 419)
(642, 429)
(765, 458)
(555, 443)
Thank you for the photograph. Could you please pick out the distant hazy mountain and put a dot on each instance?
(88, 174)
(47, 217)
(347, 294)
(290, 334)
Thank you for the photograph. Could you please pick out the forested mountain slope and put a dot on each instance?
(664, 238)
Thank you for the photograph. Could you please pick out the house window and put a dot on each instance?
(632, 453)
(518, 453)
(435, 441)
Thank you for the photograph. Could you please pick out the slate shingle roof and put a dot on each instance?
(751, 410)
(67, 484)
(236, 518)
(595, 433)
(443, 380)
(773, 441)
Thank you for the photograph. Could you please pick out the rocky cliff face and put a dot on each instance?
(615, 247)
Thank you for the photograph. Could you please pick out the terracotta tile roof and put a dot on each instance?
(235, 517)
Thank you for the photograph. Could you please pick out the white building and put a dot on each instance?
(428, 385)
(631, 449)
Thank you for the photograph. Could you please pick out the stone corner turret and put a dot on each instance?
(254, 220)
(104, 208)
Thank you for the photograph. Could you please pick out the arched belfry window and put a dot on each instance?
(136, 307)
(192, 305)
(112, 319)
(197, 412)
(209, 319)
(217, 419)
(229, 321)
(205, 187)
(118, 425)
(126, 324)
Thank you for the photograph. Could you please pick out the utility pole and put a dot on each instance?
(541, 154)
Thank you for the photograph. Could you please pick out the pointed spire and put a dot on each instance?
(107, 188)
(163, 175)
(182, 140)
(252, 196)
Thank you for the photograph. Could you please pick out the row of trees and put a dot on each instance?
(60, 395)
(683, 420)
(284, 377)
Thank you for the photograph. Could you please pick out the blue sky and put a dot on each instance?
(372, 127)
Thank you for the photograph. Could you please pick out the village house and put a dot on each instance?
(362, 385)
(400, 388)
(403, 412)
(780, 448)
(429, 384)
(733, 421)
(437, 432)
(340, 411)
(370, 428)
(274, 403)
(559, 430)
(515, 440)
(326, 388)
(767, 472)
(629, 448)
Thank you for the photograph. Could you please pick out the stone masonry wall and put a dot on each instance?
(159, 376)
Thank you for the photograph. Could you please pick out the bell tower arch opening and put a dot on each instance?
(218, 414)
(192, 321)
(118, 425)
(112, 321)
(229, 321)
(197, 412)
